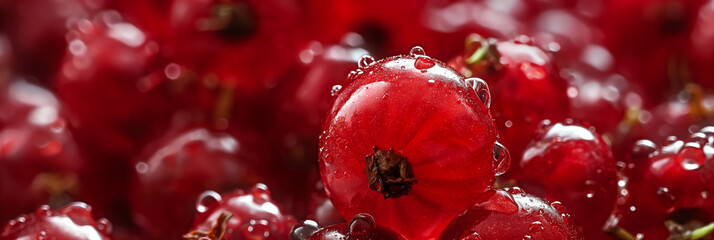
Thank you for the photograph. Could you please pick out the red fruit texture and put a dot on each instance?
(107, 65)
(511, 214)
(666, 188)
(572, 164)
(525, 86)
(253, 215)
(73, 221)
(248, 44)
(361, 227)
(39, 159)
(409, 141)
(172, 172)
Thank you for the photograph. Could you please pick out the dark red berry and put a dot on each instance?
(667, 185)
(524, 83)
(74, 221)
(39, 159)
(241, 216)
(175, 170)
(409, 141)
(511, 214)
(572, 164)
(702, 47)
(361, 227)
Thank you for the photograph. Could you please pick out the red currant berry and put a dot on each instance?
(241, 216)
(361, 227)
(409, 141)
(247, 44)
(108, 62)
(511, 214)
(173, 172)
(572, 164)
(37, 30)
(524, 82)
(39, 160)
(667, 188)
(73, 221)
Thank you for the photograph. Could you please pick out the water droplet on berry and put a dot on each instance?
(516, 190)
(470, 236)
(558, 206)
(256, 230)
(691, 157)
(303, 230)
(643, 148)
(417, 50)
(535, 227)
(207, 200)
(260, 193)
(365, 61)
(501, 158)
(482, 90)
(104, 226)
(705, 194)
(44, 210)
(424, 63)
(335, 89)
(665, 196)
(42, 235)
(361, 224)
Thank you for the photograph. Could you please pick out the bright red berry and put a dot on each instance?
(73, 221)
(39, 159)
(667, 188)
(409, 141)
(248, 44)
(241, 216)
(524, 83)
(361, 227)
(572, 164)
(511, 214)
(172, 172)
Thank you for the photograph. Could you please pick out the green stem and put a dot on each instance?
(702, 231)
(478, 54)
(620, 234)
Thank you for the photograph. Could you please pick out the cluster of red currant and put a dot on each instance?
(550, 119)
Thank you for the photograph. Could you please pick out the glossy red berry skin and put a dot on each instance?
(39, 159)
(255, 214)
(511, 214)
(361, 227)
(572, 164)
(173, 171)
(702, 47)
(421, 116)
(109, 61)
(525, 86)
(245, 43)
(671, 181)
(73, 221)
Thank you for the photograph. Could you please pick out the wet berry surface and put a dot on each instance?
(357, 119)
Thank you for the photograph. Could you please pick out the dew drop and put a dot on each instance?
(172, 71)
(365, 61)
(535, 227)
(665, 196)
(481, 88)
(42, 235)
(417, 50)
(207, 200)
(335, 89)
(516, 190)
(502, 158)
(705, 194)
(558, 206)
(303, 230)
(351, 75)
(260, 193)
(360, 225)
(470, 236)
(256, 230)
(44, 210)
(424, 63)
(104, 226)
(432, 81)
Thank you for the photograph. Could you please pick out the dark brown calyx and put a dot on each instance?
(389, 173)
(216, 232)
(482, 55)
